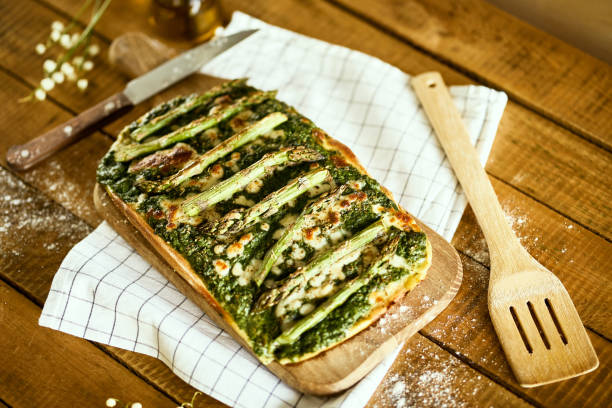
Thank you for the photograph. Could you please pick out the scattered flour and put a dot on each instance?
(32, 224)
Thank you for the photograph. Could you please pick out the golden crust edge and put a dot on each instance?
(176, 261)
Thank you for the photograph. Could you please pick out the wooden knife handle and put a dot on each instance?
(23, 157)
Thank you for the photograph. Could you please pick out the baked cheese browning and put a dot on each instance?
(127, 152)
(285, 230)
(190, 103)
(348, 288)
(323, 262)
(273, 255)
(200, 164)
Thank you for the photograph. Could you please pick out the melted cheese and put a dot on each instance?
(242, 200)
(254, 186)
(235, 249)
(306, 309)
(245, 275)
(297, 252)
(314, 238)
(221, 267)
(288, 219)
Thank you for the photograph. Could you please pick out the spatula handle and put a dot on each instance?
(453, 136)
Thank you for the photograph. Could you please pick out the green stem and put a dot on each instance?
(321, 263)
(236, 221)
(187, 106)
(84, 35)
(131, 151)
(285, 240)
(230, 144)
(289, 336)
(226, 189)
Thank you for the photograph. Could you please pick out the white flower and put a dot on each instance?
(40, 49)
(65, 41)
(58, 77)
(40, 94)
(136, 405)
(111, 402)
(47, 84)
(88, 65)
(77, 60)
(57, 26)
(67, 69)
(55, 36)
(75, 37)
(49, 65)
(82, 84)
(93, 49)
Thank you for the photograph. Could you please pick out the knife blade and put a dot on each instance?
(23, 157)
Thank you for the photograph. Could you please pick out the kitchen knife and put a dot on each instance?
(22, 157)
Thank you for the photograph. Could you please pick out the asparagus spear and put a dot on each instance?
(225, 189)
(320, 263)
(316, 316)
(131, 151)
(238, 220)
(187, 106)
(279, 247)
(198, 165)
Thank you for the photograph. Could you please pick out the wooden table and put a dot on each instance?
(551, 166)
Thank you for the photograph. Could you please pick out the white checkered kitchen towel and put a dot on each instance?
(105, 292)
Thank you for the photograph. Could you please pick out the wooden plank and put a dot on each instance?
(465, 328)
(530, 152)
(35, 235)
(402, 55)
(535, 68)
(66, 177)
(30, 24)
(42, 367)
(68, 229)
(577, 256)
(420, 377)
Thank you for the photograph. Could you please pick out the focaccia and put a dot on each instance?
(271, 220)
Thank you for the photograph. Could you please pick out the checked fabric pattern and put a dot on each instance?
(106, 292)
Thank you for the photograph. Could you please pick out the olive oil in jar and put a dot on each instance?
(194, 20)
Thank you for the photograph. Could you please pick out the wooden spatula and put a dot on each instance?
(533, 315)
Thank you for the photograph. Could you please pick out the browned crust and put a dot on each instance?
(175, 259)
(184, 269)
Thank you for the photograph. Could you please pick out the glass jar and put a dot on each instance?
(194, 20)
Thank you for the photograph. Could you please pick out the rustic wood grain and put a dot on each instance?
(24, 157)
(540, 166)
(35, 235)
(530, 152)
(42, 367)
(465, 327)
(24, 246)
(420, 377)
(66, 177)
(25, 23)
(535, 68)
(580, 258)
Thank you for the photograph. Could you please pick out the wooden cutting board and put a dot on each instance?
(342, 366)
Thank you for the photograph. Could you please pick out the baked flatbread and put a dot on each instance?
(274, 222)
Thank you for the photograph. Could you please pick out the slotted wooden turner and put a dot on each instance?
(533, 315)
